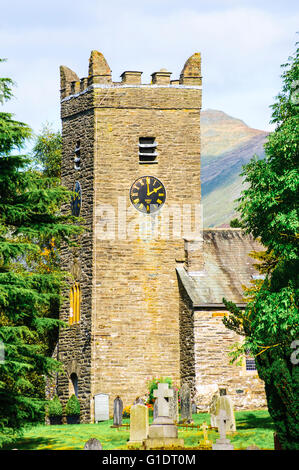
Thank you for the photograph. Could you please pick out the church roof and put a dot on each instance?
(227, 267)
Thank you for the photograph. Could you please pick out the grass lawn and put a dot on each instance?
(253, 428)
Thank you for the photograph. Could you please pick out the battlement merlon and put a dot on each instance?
(99, 77)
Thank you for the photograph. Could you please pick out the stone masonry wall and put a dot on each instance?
(136, 319)
(212, 369)
(74, 348)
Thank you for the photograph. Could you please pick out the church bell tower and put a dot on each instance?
(131, 154)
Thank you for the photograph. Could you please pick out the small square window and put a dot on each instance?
(147, 150)
(249, 361)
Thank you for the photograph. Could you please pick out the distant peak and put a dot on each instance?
(214, 115)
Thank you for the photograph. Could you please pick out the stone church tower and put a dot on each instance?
(131, 152)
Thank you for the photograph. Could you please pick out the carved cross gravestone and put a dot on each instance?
(163, 431)
(222, 443)
(163, 393)
(205, 443)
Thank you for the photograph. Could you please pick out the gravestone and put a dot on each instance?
(138, 401)
(205, 444)
(117, 412)
(163, 432)
(163, 393)
(222, 443)
(101, 407)
(138, 423)
(186, 410)
(194, 408)
(224, 402)
(213, 415)
(174, 407)
(93, 444)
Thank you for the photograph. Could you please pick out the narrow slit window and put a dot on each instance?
(77, 157)
(75, 294)
(147, 150)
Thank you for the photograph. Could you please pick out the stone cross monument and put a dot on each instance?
(162, 394)
(222, 443)
(163, 432)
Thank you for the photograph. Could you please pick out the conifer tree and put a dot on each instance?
(268, 209)
(30, 217)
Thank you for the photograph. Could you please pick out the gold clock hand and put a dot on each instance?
(154, 191)
(147, 183)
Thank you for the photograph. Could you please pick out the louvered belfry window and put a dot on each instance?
(77, 157)
(147, 150)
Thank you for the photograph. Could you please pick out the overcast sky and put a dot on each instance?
(242, 42)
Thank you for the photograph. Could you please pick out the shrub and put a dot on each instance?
(126, 411)
(153, 385)
(72, 406)
(54, 407)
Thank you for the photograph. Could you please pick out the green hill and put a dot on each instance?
(227, 144)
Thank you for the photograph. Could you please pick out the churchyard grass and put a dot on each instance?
(253, 428)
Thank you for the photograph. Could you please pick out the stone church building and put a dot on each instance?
(145, 296)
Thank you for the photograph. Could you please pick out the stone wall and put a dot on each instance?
(136, 324)
(74, 348)
(213, 342)
(187, 346)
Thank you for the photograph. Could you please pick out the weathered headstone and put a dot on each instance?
(186, 410)
(117, 412)
(224, 402)
(222, 443)
(213, 415)
(173, 406)
(138, 423)
(101, 407)
(93, 444)
(193, 408)
(138, 401)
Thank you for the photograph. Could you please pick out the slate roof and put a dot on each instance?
(227, 267)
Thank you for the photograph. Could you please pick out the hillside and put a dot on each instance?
(227, 144)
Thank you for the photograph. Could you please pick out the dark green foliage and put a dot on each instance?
(32, 230)
(235, 223)
(54, 407)
(269, 210)
(72, 406)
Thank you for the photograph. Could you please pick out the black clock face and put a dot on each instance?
(147, 194)
(76, 199)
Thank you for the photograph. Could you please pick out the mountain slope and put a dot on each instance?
(227, 145)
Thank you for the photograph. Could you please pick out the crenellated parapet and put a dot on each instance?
(99, 76)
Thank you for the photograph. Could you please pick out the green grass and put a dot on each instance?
(253, 427)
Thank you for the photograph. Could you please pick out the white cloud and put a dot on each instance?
(242, 44)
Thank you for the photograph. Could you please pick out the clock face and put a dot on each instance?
(147, 194)
(76, 199)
